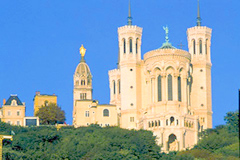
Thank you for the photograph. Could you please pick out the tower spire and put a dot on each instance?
(129, 15)
(198, 16)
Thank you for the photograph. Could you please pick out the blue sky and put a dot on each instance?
(40, 40)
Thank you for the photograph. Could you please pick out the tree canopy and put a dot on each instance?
(232, 120)
(95, 142)
(92, 142)
(50, 114)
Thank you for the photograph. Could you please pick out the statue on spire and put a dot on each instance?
(166, 32)
(82, 51)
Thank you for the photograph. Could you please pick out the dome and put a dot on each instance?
(166, 54)
(167, 45)
(83, 70)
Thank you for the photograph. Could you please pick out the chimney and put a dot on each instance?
(37, 93)
(53, 94)
(4, 101)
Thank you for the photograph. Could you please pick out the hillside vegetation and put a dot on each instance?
(94, 142)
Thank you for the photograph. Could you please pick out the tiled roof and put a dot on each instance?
(13, 97)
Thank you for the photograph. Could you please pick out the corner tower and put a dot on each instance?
(199, 45)
(129, 38)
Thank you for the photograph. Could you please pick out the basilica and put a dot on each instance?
(167, 92)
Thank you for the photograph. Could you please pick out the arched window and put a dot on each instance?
(114, 87)
(130, 45)
(179, 89)
(105, 113)
(82, 82)
(167, 122)
(124, 46)
(156, 124)
(137, 45)
(46, 103)
(177, 121)
(159, 88)
(149, 124)
(170, 97)
(206, 46)
(172, 121)
(200, 46)
(119, 87)
(194, 47)
(77, 82)
(159, 123)
(14, 103)
(152, 124)
(88, 81)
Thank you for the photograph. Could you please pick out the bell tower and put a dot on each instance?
(199, 45)
(130, 38)
(82, 79)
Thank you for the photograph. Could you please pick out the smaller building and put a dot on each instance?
(87, 111)
(93, 113)
(13, 111)
(42, 99)
(31, 121)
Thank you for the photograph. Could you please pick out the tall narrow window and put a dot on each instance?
(130, 45)
(172, 121)
(200, 46)
(170, 96)
(131, 119)
(83, 96)
(159, 88)
(137, 45)
(179, 89)
(119, 87)
(88, 81)
(86, 113)
(124, 46)
(206, 46)
(82, 82)
(114, 88)
(194, 47)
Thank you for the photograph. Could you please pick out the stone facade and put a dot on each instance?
(40, 99)
(13, 111)
(167, 92)
(87, 111)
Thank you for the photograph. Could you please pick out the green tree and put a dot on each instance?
(50, 114)
(232, 120)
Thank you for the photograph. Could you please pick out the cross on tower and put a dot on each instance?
(181, 45)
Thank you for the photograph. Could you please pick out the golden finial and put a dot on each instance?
(82, 51)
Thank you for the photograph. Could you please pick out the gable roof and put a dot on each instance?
(13, 97)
